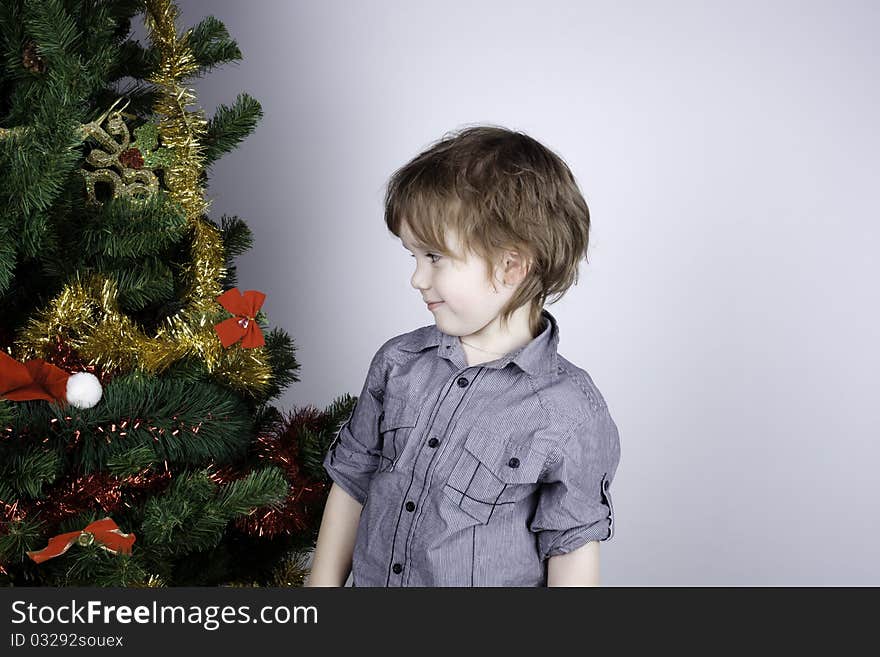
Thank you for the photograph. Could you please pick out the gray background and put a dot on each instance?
(729, 156)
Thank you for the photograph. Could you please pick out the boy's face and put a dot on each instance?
(461, 283)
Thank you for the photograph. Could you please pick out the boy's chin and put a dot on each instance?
(452, 327)
(444, 324)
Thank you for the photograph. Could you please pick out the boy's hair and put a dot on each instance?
(498, 189)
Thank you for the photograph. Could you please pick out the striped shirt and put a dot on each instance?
(474, 475)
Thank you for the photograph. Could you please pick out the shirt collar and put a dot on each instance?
(536, 357)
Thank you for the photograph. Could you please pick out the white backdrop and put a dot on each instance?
(729, 156)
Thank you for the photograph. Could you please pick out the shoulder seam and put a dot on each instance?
(595, 401)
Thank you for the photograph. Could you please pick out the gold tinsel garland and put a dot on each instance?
(86, 312)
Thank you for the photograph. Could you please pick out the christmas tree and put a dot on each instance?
(138, 444)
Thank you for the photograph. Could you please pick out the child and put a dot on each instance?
(476, 455)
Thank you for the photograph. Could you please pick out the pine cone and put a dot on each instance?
(31, 59)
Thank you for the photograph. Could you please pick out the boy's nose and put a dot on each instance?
(422, 289)
(419, 281)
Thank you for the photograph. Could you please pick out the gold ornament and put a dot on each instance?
(130, 181)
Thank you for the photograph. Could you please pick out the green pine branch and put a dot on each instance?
(230, 126)
(131, 228)
(24, 472)
(212, 45)
(193, 511)
(281, 351)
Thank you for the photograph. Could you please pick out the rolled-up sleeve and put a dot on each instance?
(354, 454)
(574, 498)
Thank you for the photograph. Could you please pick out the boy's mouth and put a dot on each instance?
(433, 304)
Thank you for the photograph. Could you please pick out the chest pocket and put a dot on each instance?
(492, 471)
(395, 426)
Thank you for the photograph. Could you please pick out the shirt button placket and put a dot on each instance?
(397, 568)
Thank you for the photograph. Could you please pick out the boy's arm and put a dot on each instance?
(331, 563)
(350, 462)
(574, 511)
(577, 568)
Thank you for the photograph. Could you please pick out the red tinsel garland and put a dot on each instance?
(280, 445)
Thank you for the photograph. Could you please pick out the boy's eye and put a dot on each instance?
(430, 255)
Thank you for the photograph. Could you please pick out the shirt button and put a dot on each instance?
(397, 568)
(410, 506)
(433, 442)
(513, 463)
(462, 382)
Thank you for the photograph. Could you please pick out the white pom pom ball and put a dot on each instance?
(83, 390)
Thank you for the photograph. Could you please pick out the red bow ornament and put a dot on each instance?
(104, 531)
(243, 326)
(35, 379)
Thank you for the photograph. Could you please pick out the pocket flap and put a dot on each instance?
(396, 414)
(512, 463)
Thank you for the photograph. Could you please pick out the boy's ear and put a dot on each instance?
(514, 268)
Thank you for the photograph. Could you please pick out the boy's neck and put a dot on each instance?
(495, 340)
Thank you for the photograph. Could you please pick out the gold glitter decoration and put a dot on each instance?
(133, 181)
(86, 312)
(139, 183)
